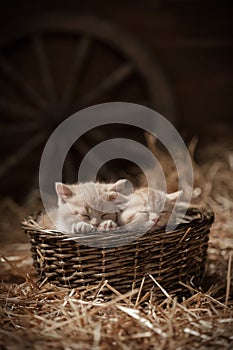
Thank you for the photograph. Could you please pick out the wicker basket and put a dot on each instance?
(170, 257)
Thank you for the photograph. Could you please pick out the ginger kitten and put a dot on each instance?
(148, 205)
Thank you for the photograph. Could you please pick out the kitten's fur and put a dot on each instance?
(148, 205)
(87, 206)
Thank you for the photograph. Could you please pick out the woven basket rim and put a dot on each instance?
(201, 215)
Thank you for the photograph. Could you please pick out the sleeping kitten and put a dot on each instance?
(87, 206)
(149, 206)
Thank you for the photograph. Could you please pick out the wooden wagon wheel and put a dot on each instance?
(53, 67)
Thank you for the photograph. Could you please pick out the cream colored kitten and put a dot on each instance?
(147, 205)
(87, 206)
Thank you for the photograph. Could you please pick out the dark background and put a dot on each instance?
(191, 41)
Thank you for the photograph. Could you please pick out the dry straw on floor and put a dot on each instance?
(51, 317)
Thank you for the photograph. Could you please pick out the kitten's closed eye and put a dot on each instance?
(105, 216)
(83, 215)
(86, 216)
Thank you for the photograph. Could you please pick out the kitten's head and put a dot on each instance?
(91, 202)
(164, 214)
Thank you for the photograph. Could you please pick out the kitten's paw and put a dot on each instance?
(107, 225)
(82, 227)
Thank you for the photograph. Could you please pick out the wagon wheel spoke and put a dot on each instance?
(108, 83)
(19, 155)
(80, 57)
(14, 128)
(44, 67)
(17, 109)
(20, 82)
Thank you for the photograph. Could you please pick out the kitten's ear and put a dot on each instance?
(117, 197)
(172, 197)
(63, 191)
(120, 201)
(123, 186)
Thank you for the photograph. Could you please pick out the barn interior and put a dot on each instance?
(58, 58)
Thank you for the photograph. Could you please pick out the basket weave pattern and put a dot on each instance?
(170, 257)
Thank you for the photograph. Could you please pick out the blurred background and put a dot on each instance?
(58, 57)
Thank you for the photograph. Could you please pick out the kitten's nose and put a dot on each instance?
(155, 218)
(94, 222)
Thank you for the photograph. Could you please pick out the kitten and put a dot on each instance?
(149, 206)
(87, 206)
